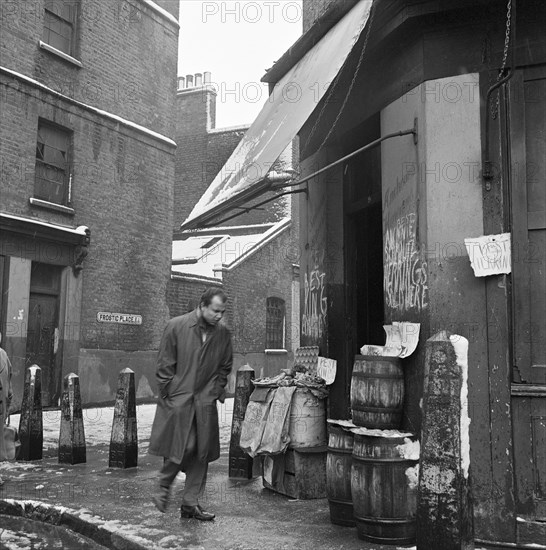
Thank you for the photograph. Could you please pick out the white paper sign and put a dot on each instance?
(402, 339)
(327, 368)
(409, 336)
(490, 254)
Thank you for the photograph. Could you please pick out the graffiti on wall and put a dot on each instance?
(405, 273)
(315, 305)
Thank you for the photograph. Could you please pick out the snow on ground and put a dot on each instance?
(97, 424)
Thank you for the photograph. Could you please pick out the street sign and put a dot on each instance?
(120, 318)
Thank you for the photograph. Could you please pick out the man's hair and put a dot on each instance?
(210, 293)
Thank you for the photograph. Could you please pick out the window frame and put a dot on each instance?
(52, 37)
(275, 326)
(47, 164)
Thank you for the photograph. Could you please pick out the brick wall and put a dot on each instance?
(122, 190)
(183, 294)
(127, 51)
(267, 273)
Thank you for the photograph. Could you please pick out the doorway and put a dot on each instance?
(368, 276)
(364, 240)
(43, 329)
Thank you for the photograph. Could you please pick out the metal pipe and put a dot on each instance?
(357, 152)
(487, 174)
(248, 209)
(272, 186)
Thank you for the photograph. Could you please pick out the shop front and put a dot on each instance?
(431, 134)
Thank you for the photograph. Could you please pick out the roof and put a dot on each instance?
(209, 252)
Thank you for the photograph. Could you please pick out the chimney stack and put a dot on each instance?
(196, 81)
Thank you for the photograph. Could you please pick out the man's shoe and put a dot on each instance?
(195, 512)
(162, 499)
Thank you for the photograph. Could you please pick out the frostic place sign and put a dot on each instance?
(120, 318)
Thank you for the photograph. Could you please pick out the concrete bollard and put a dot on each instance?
(124, 440)
(240, 464)
(444, 508)
(72, 448)
(31, 428)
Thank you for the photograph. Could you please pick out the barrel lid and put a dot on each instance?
(347, 424)
(381, 433)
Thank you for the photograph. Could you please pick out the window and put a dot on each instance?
(53, 179)
(274, 324)
(60, 25)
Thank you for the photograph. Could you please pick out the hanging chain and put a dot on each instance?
(495, 104)
(334, 84)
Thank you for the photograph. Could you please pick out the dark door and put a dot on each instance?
(43, 329)
(367, 274)
(528, 201)
(364, 244)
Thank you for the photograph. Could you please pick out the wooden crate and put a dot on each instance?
(298, 473)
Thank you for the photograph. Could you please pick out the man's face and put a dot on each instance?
(214, 311)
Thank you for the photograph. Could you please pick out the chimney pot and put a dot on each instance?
(189, 81)
(198, 80)
(207, 77)
(181, 82)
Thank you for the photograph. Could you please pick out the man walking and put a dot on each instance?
(194, 361)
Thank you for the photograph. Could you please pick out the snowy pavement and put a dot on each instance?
(116, 503)
(98, 425)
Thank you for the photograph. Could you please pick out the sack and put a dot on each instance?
(12, 445)
(275, 438)
(255, 420)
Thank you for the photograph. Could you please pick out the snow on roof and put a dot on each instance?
(206, 255)
(224, 252)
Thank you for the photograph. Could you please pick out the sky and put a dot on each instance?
(236, 41)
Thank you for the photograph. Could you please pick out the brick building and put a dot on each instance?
(86, 189)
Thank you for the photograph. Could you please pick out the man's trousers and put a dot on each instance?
(196, 472)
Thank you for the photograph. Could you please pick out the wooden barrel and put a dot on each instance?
(384, 488)
(338, 475)
(307, 427)
(377, 392)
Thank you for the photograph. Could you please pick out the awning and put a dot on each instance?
(291, 103)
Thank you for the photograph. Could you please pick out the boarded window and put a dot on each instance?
(52, 179)
(274, 324)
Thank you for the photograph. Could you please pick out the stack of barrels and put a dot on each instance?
(371, 465)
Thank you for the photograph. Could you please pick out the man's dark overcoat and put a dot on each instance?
(192, 375)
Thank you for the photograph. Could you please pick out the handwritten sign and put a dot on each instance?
(120, 318)
(327, 368)
(490, 254)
